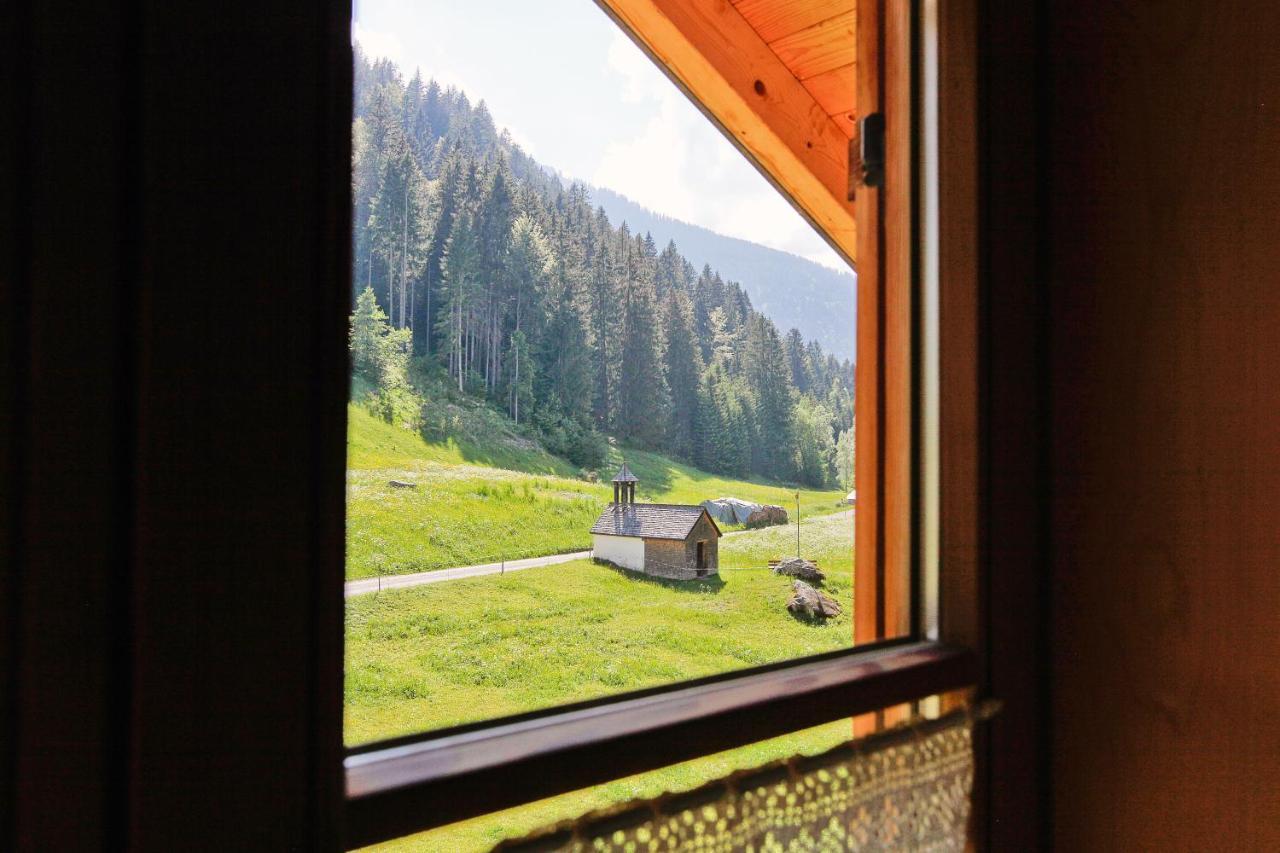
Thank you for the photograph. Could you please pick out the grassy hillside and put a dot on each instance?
(500, 498)
(455, 652)
(463, 431)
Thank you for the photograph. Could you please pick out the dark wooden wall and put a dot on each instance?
(173, 247)
(171, 180)
(1163, 277)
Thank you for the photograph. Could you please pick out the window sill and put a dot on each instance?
(398, 787)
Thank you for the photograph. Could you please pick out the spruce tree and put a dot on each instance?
(529, 264)
(794, 352)
(602, 313)
(523, 292)
(642, 391)
(461, 272)
(767, 377)
(682, 366)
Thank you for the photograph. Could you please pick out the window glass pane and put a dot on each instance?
(580, 319)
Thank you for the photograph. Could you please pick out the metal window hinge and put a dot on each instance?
(871, 134)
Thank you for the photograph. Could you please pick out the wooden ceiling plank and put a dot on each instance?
(773, 19)
(716, 56)
(836, 90)
(820, 48)
(848, 123)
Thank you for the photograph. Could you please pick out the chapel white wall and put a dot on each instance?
(625, 551)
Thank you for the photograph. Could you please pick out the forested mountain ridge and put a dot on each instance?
(473, 261)
(792, 291)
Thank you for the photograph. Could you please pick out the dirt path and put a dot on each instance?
(397, 581)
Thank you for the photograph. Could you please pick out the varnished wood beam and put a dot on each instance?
(714, 55)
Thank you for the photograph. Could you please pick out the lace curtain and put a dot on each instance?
(904, 789)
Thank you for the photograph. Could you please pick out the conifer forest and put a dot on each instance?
(476, 268)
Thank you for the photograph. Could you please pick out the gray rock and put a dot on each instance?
(401, 484)
(807, 601)
(797, 567)
(767, 515)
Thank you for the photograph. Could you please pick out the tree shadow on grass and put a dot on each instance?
(709, 584)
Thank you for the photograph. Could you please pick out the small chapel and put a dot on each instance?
(673, 541)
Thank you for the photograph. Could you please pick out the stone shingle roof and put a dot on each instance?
(624, 475)
(649, 521)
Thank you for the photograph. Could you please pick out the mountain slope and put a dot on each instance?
(792, 291)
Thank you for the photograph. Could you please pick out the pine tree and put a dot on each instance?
(525, 293)
(767, 377)
(451, 198)
(461, 272)
(368, 325)
(642, 391)
(520, 372)
(794, 352)
(682, 366)
(529, 264)
(672, 273)
(495, 219)
(397, 222)
(707, 428)
(602, 311)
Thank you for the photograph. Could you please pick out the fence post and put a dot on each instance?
(797, 525)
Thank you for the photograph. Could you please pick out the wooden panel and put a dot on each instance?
(235, 740)
(868, 560)
(868, 615)
(172, 634)
(1014, 433)
(836, 91)
(822, 47)
(884, 388)
(898, 198)
(1164, 197)
(66, 588)
(773, 19)
(711, 51)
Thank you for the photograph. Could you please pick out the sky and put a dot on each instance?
(579, 97)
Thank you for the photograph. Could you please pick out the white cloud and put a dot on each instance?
(380, 44)
(583, 99)
(682, 166)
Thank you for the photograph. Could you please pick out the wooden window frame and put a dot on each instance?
(415, 783)
(200, 694)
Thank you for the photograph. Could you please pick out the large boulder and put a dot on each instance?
(730, 510)
(797, 567)
(766, 516)
(809, 603)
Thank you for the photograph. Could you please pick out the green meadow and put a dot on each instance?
(444, 654)
(449, 653)
(505, 500)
